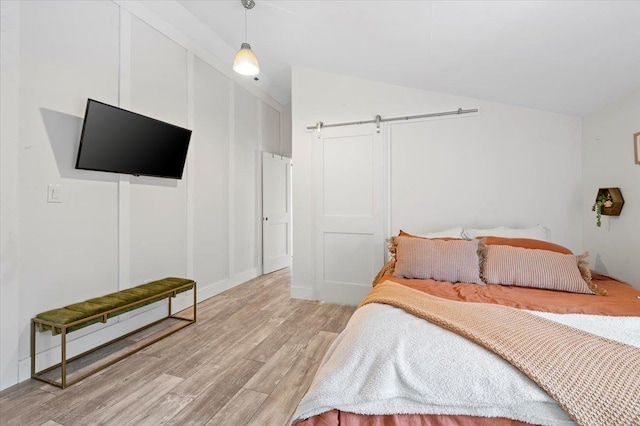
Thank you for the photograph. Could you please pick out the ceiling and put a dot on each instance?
(563, 56)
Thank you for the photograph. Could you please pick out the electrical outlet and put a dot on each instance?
(54, 193)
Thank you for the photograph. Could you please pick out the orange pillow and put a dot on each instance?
(525, 243)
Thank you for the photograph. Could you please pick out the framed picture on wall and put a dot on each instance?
(636, 147)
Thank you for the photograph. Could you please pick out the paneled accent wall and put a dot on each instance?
(113, 231)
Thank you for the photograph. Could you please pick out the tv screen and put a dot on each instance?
(120, 141)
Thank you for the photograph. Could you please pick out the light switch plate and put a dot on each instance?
(54, 194)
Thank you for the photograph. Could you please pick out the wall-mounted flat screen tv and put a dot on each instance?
(120, 141)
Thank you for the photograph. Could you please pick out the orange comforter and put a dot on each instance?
(620, 300)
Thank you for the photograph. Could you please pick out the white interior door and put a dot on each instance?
(276, 212)
(348, 193)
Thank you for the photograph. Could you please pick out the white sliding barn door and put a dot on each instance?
(348, 191)
(276, 212)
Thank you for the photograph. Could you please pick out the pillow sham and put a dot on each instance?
(525, 243)
(524, 267)
(440, 260)
(537, 232)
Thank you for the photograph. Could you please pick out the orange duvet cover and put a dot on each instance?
(621, 300)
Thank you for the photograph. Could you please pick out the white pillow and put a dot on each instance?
(537, 232)
(449, 233)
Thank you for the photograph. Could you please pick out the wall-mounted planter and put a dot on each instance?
(616, 197)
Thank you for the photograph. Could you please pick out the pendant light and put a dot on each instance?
(245, 62)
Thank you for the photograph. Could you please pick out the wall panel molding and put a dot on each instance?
(190, 166)
(124, 190)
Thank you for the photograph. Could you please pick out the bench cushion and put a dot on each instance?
(98, 305)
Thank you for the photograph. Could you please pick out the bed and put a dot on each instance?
(414, 352)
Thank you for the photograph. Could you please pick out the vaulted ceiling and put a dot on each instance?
(563, 56)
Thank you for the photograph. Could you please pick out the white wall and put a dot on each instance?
(286, 129)
(114, 231)
(506, 165)
(608, 162)
(271, 130)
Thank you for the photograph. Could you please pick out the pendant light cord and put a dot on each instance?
(245, 25)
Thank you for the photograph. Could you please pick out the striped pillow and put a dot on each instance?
(536, 268)
(440, 260)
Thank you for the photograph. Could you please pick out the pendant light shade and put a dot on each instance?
(245, 62)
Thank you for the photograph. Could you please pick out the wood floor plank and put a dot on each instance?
(339, 318)
(215, 352)
(217, 395)
(309, 329)
(165, 409)
(239, 410)
(281, 403)
(248, 360)
(15, 393)
(299, 317)
(270, 345)
(31, 418)
(133, 404)
(270, 374)
(208, 375)
(318, 346)
(258, 334)
(21, 405)
(104, 388)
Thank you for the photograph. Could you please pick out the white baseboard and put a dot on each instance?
(304, 293)
(205, 292)
(342, 293)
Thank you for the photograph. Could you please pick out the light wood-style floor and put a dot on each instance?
(247, 361)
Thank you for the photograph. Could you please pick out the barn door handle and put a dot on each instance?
(266, 218)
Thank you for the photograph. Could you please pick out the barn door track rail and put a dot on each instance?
(378, 119)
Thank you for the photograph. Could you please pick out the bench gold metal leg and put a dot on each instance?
(63, 345)
(33, 348)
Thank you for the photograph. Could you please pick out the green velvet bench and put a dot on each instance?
(79, 315)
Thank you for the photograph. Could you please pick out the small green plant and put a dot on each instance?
(601, 201)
